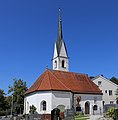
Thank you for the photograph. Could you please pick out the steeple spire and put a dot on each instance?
(60, 36)
(60, 58)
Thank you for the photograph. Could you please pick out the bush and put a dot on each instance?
(111, 113)
(2, 113)
(32, 109)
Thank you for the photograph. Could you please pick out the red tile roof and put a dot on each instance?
(55, 80)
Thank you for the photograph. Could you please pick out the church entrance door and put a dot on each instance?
(87, 108)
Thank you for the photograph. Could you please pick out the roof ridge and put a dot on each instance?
(59, 81)
(106, 79)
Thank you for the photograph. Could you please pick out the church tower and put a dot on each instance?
(60, 58)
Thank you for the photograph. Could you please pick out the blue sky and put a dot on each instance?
(28, 30)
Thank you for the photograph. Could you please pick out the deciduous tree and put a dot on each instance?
(18, 89)
(3, 103)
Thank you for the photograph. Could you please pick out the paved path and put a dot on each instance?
(98, 117)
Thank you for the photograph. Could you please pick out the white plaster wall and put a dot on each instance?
(55, 98)
(55, 67)
(106, 85)
(66, 68)
(55, 51)
(89, 98)
(61, 98)
(36, 99)
(59, 64)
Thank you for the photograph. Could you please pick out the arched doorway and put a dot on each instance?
(87, 108)
(58, 113)
(61, 108)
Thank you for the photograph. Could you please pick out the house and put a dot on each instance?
(59, 88)
(108, 89)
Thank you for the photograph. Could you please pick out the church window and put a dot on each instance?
(63, 63)
(103, 103)
(43, 105)
(105, 91)
(55, 64)
(95, 107)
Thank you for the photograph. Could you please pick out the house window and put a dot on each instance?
(105, 91)
(99, 83)
(111, 102)
(55, 64)
(63, 63)
(43, 105)
(95, 107)
(110, 92)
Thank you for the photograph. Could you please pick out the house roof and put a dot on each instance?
(104, 78)
(54, 80)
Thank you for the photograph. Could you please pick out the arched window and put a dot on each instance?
(55, 64)
(95, 107)
(63, 63)
(43, 105)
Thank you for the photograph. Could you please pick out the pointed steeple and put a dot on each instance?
(60, 58)
(60, 40)
(60, 36)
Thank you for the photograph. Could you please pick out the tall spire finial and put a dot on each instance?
(59, 14)
(60, 36)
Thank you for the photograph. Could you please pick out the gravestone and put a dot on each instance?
(69, 114)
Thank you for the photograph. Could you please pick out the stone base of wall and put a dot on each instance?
(46, 116)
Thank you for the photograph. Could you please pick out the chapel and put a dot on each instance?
(62, 89)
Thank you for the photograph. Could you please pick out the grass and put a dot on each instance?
(81, 117)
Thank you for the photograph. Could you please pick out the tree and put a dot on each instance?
(3, 102)
(18, 90)
(8, 100)
(114, 80)
(32, 109)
